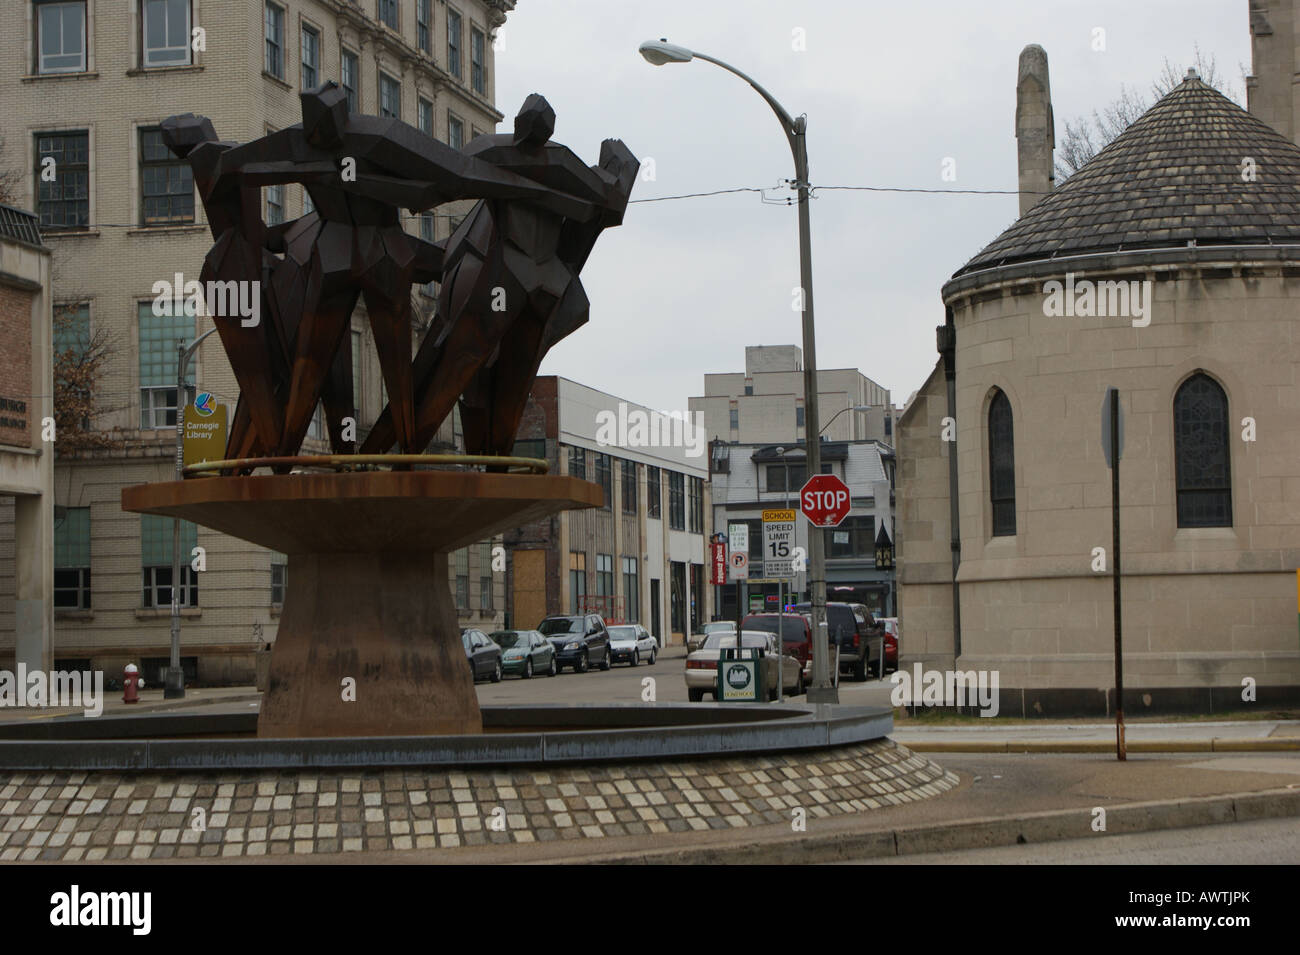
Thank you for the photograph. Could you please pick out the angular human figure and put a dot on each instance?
(510, 288)
(358, 170)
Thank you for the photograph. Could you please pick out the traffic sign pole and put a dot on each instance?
(825, 501)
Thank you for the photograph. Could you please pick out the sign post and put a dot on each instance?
(778, 562)
(825, 501)
(1112, 442)
(738, 567)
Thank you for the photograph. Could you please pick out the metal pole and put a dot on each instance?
(1120, 747)
(174, 683)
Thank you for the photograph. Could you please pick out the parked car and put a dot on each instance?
(630, 643)
(702, 664)
(892, 635)
(696, 640)
(796, 631)
(580, 641)
(861, 640)
(484, 655)
(525, 652)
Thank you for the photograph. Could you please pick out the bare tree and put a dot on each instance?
(78, 374)
(1086, 136)
(10, 179)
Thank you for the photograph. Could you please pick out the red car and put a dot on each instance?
(796, 632)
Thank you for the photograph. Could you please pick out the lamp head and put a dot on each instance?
(658, 52)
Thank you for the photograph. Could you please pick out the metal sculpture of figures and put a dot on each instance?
(509, 273)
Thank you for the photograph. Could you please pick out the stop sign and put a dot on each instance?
(824, 500)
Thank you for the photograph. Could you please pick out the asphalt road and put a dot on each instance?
(1267, 842)
(623, 684)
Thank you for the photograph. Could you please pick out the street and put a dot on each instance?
(1267, 842)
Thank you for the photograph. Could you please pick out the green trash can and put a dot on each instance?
(741, 676)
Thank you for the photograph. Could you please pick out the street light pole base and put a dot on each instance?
(174, 685)
(823, 694)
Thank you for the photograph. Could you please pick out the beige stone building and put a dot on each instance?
(1168, 267)
(764, 403)
(85, 84)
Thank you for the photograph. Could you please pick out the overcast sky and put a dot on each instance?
(890, 90)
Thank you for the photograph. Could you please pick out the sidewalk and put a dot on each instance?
(1002, 800)
(151, 701)
(1098, 736)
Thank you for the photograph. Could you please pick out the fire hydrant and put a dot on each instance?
(131, 684)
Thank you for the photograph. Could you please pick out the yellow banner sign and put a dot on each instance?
(778, 516)
(205, 430)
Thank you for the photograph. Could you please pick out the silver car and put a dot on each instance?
(631, 643)
(696, 640)
(702, 664)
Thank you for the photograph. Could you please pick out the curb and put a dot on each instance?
(980, 833)
(1285, 745)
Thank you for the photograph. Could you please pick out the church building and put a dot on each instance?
(1168, 268)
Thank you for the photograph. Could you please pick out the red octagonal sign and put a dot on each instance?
(824, 500)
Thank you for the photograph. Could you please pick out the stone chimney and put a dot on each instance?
(1035, 128)
(1273, 88)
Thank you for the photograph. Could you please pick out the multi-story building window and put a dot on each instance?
(166, 183)
(348, 78)
(424, 116)
(733, 419)
(424, 25)
(776, 476)
(388, 13)
(307, 204)
(279, 578)
(855, 537)
(275, 204)
(316, 429)
(60, 36)
(165, 28)
(426, 226)
(310, 57)
(798, 416)
(390, 96)
(453, 43)
(577, 581)
(274, 40)
(676, 501)
(455, 132)
(1202, 453)
(604, 477)
(478, 61)
(629, 487)
(485, 575)
(631, 590)
(1002, 465)
(460, 560)
(578, 463)
(72, 560)
(65, 202)
(156, 562)
(652, 498)
(696, 489)
(605, 581)
(159, 335)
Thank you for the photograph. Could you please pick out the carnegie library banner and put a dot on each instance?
(204, 430)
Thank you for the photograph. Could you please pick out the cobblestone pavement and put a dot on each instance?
(107, 816)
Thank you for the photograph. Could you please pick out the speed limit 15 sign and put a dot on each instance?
(778, 543)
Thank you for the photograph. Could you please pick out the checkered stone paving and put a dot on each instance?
(90, 816)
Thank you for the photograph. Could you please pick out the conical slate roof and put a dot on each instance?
(1175, 175)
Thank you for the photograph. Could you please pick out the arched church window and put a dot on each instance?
(1202, 463)
(1002, 466)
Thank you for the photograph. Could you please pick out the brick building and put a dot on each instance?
(85, 84)
(642, 557)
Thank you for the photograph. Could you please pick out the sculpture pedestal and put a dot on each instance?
(368, 597)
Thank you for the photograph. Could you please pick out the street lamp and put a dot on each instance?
(174, 684)
(840, 412)
(657, 53)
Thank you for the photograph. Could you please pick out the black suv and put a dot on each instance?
(580, 641)
(861, 640)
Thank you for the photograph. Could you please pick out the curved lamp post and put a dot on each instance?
(658, 53)
(840, 412)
